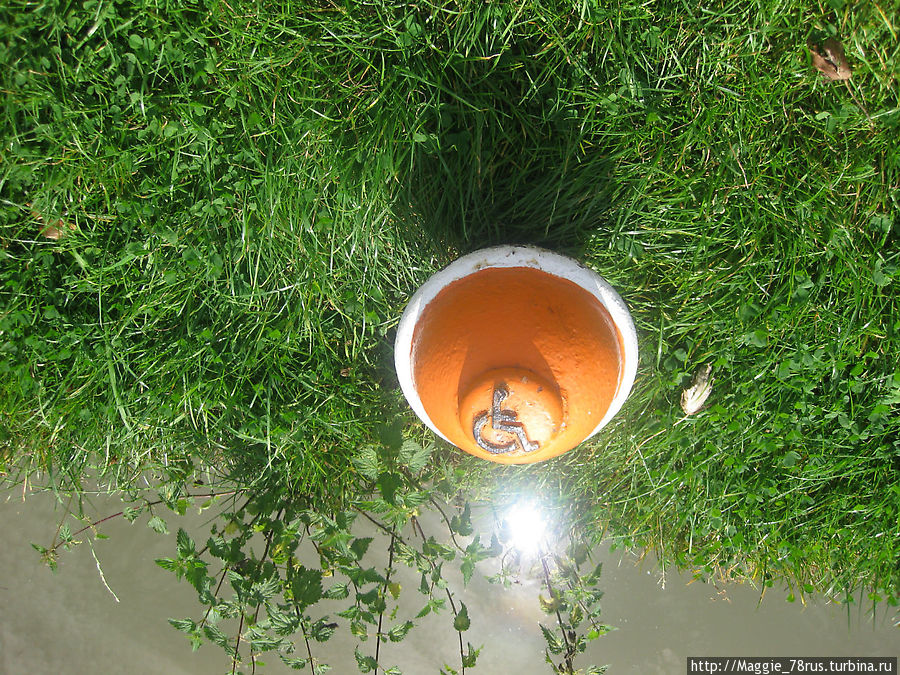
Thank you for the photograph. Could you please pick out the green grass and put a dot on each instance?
(250, 193)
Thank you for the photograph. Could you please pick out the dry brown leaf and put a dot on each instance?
(51, 232)
(829, 59)
(693, 398)
(53, 228)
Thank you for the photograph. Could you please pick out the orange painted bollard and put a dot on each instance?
(516, 354)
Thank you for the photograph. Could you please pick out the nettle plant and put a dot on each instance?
(261, 594)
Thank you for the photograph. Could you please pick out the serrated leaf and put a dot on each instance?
(468, 569)
(215, 635)
(184, 625)
(554, 644)
(576, 616)
(306, 586)
(337, 591)
(322, 630)
(394, 589)
(282, 622)
(265, 589)
(157, 524)
(360, 546)
(388, 483)
(167, 564)
(414, 456)
(260, 641)
(366, 663)
(462, 523)
(599, 631)
(549, 606)
(461, 623)
(131, 513)
(184, 544)
(366, 462)
(294, 663)
(471, 656)
(398, 632)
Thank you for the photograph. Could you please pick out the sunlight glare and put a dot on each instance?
(527, 526)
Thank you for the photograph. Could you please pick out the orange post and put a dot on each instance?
(516, 354)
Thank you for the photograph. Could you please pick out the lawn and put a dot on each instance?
(213, 214)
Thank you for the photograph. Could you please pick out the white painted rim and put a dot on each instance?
(516, 256)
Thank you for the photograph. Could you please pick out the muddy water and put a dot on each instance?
(68, 622)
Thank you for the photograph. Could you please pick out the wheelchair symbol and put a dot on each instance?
(502, 420)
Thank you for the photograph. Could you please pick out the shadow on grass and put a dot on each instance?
(503, 157)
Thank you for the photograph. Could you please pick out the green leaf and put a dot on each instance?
(366, 462)
(414, 456)
(167, 564)
(322, 630)
(598, 631)
(790, 459)
(366, 663)
(260, 641)
(283, 623)
(130, 513)
(882, 275)
(554, 644)
(399, 631)
(157, 524)
(360, 546)
(184, 544)
(461, 623)
(181, 506)
(394, 589)
(388, 484)
(467, 567)
(215, 635)
(462, 523)
(265, 589)
(184, 625)
(306, 586)
(295, 664)
(471, 656)
(337, 591)
(549, 606)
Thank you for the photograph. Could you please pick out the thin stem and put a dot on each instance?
(570, 649)
(446, 520)
(572, 587)
(381, 526)
(215, 595)
(59, 527)
(418, 526)
(312, 669)
(387, 582)
(396, 536)
(95, 523)
(237, 644)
